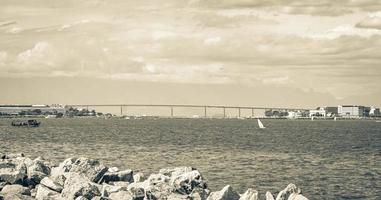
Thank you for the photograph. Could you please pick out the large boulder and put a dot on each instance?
(126, 176)
(139, 177)
(137, 193)
(120, 183)
(269, 196)
(199, 194)
(156, 186)
(290, 190)
(3, 184)
(250, 194)
(78, 185)
(15, 189)
(125, 195)
(227, 193)
(44, 193)
(16, 197)
(108, 189)
(295, 196)
(92, 169)
(63, 167)
(11, 156)
(185, 182)
(37, 170)
(13, 170)
(51, 184)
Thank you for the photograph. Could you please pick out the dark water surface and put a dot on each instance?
(327, 159)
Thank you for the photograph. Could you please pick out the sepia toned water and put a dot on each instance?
(327, 159)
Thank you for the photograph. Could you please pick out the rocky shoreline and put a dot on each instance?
(22, 178)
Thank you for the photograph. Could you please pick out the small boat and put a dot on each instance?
(260, 124)
(378, 121)
(28, 123)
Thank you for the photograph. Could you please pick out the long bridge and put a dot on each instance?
(205, 107)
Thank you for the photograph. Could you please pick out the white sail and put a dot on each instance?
(260, 124)
(312, 118)
(334, 118)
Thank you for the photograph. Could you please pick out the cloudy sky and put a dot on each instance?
(238, 52)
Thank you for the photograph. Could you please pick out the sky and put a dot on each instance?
(300, 53)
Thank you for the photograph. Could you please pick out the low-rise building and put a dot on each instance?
(294, 114)
(318, 112)
(374, 112)
(31, 109)
(352, 111)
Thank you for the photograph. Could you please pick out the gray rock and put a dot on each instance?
(13, 171)
(184, 182)
(60, 179)
(33, 192)
(227, 193)
(15, 189)
(285, 193)
(137, 193)
(175, 171)
(16, 197)
(2, 184)
(49, 183)
(125, 195)
(44, 193)
(113, 169)
(108, 189)
(126, 175)
(120, 183)
(81, 198)
(199, 194)
(77, 185)
(37, 170)
(63, 167)
(157, 186)
(176, 196)
(12, 155)
(139, 177)
(91, 169)
(250, 194)
(100, 198)
(269, 196)
(295, 196)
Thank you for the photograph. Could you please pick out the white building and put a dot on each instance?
(294, 115)
(319, 112)
(351, 111)
(374, 111)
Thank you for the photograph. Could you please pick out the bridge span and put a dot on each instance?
(205, 107)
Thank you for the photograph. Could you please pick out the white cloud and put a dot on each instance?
(212, 40)
(36, 53)
(76, 23)
(371, 22)
(3, 57)
(39, 58)
(158, 35)
(344, 30)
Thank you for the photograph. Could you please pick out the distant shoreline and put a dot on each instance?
(200, 118)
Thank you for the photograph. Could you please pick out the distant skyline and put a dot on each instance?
(299, 53)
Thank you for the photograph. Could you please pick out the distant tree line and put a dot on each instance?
(71, 112)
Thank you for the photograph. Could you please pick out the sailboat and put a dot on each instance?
(335, 118)
(260, 124)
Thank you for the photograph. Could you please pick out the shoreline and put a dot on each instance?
(377, 119)
(83, 178)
